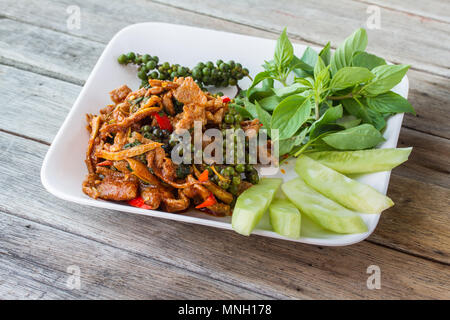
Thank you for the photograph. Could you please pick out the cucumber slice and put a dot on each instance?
(348, 192)
(323, 211)
(285, 218)
(362, 161)
(252, 203)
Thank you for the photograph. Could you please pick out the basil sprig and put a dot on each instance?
(325, 100)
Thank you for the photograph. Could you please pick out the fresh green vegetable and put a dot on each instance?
(361, 137)
(285, 218)
(362, 161)
(323, 211)
(348, 192)
(252, 203)
(355, 82)
(205, 74)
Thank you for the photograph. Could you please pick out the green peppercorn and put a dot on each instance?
(220, 93)
(146, 58)
(156, 59)
(146, 128)
(238, 118)
(233, 189)
(173, 75)
(240, 168)
(253, 178)
(122, 59)
(166, 66)
(248, 167)
(229, 119)
(224, 184)
(232, 82)
(230, 171)
(232, 64)
(131, 56)
(154, 75)
(236, 180)
(142, 74)
(245, 72)
(219, 62)
(138, 59)
(150, 65)
(239, 66)
(206, 71)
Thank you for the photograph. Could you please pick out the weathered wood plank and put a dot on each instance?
(428, 94)
(436, 9)
(314, 21)
(34, 260)
(430, 159)
(49, 102)
(38, 111)
(266, 266)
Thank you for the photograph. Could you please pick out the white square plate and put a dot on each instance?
(63, 169)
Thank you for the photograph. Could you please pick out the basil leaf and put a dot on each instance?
(390, 102)
(320, 65)
(269, 103)
(342, 57)
(348, 121)
(297, 63)
(263, 117)
(386, 77)
(362, 111)
(258, 78)
(367, 60)
(310, 57)
(243, 112)
(250, 108)
(349, 77)
(357, 138)
(284, 51)
(290, 115)
(331, 115)
(325, 53)
(283, 92)
(286, 145)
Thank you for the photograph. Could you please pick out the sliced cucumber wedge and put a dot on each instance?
(362, 161)
(323, 211)
(285, 218)
(252, 203)
(348, 192)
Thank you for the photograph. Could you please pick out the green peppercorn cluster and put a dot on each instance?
(220, 74)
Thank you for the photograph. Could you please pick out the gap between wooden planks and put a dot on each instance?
(35, 258)
(71, 59)
(49, 101)
(262, 265)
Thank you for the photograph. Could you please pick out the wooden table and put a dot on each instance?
(43, 65)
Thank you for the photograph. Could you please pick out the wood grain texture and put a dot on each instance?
(32, 267)
(266, 266)
(71, 59)
(131, 256)
(314, 21)
(435, 9)
(428, 164)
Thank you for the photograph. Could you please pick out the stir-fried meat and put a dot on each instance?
(114, 186)
(176, 205)
(152, 197)
(191, 113)
(249, 125)
(119, 94)
(189, 92)
(168, 103)
(127, 122)
(119, 190)
(94, 127)
(125, 158)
